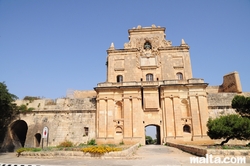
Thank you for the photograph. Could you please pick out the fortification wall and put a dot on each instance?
(66, 119)
(77, 126)
(220, 103)
(60, 104)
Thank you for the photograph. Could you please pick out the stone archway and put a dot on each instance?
(37, 139)
(156, 131)
(18, 131)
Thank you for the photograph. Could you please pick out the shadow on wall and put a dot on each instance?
(15, 136)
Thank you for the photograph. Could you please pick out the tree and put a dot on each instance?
(241, 105)
(7, 108)
(149, 140)
(229, 127)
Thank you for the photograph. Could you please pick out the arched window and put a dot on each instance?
(179, 76)
(119, 78)
(186, 128)
(149, 77)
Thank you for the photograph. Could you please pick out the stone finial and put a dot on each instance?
(139, 27)
(183, 43)
(112, 46)
(153, 26)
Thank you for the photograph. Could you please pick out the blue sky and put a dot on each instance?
(50, 46)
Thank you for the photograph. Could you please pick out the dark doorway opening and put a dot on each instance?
(186, 128)
(19, 130)
(153, 135)
(37, 139)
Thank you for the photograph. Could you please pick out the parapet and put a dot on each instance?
(231, 83)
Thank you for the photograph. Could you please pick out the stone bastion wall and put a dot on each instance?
(220, 103)
(74, 119)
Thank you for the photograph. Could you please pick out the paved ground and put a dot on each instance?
(150, 155)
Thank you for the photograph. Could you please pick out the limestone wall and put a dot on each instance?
(220, 103)
(66, 119)
(63, 125)
(60, 104)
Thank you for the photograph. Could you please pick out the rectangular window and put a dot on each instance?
(86, 130)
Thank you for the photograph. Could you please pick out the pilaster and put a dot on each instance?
(127, 117)
(196, 126)
(203, 107)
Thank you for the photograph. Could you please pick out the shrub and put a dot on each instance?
(20, 150)
(31, 98)
(100, 149)
(82, 145)
(65, 144)
(229, 127)
(35, 149)
(23, 108)
(91, 142)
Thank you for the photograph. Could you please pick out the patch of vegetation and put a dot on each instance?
(51, 102)
(31, 98)
(91, 142)
(100, 149)
(65, 143)
(229, 127)
(149, 140)
(20, 150)
(69, 146)
(81, 145)
(23, 108)
(8, 109)
(241, 104)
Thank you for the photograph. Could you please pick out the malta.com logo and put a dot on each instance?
(210, 159)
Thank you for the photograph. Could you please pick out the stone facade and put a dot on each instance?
(149, 83)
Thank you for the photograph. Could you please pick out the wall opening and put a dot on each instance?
(152, 135)
(19, 130)
(86, 131)
(187, 129)
(37, 139)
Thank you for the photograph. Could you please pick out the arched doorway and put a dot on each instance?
(152, 131)
(37, 140)
(19, 130)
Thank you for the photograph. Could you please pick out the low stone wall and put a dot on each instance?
(199, 151)
(78, 154)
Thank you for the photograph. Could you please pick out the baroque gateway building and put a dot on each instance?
(149, 83)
